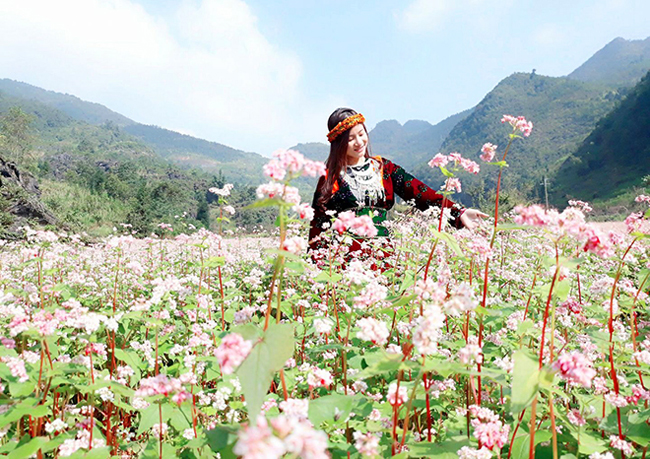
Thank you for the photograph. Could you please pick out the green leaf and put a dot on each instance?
(214, 262)
(521, 445)
(331, 408)
(590, 443)
(445, 450)
(525, 381)
(446, 171)
(23, 408)
(150, 416)
(19, 390)
(263, 203)
(28, 449)
(324, 277)
(267, 357)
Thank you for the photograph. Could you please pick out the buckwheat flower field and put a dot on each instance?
(526, 337)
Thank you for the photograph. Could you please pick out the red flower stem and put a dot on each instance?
(610, 325)
(426, 270)
(514, 432)
(635, 330)
(531, 451)
(160, 431)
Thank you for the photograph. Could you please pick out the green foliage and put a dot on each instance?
(15, 135)
(614, 157)
(268, 356)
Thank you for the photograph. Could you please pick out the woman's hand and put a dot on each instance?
(471, 218)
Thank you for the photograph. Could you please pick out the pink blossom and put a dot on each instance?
(362, 225)
(296, 245)
(576, 418)
(17, 367)
(275, 190)
(489, 151)
(519, 123)
(314, 168)
(452, 184)
(470, 453)
(642, 198)
(304, 211)
(273, 169)
(491, 434)
(619, 443)
(427, 332)
(439, 160)
(396, 398)
(225, 191)
(367, 444)
(582, 205)
(471, 353)
(372, 330)
(575, 368)
(158, 385)
(232, 351)
(319, 377)
(470, 166)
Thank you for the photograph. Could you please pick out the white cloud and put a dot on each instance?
(423, 15)
(208, 70)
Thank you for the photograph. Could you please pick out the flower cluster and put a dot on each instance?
(519, 123)
(232, 351)
(362, 225)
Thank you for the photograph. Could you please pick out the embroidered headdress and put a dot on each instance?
(344, 125)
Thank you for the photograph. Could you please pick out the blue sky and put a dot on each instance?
(261, 75)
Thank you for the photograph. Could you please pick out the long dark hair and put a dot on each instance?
(337, 159)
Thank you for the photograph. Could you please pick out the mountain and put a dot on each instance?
(74, 107)
(621, 62)
(184, 150)
(564, 112)
(614, 157)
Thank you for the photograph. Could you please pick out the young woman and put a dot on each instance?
(357, 181)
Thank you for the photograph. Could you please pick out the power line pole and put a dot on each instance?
(546, 191)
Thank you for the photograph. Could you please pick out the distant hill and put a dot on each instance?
(74, 107)
(564, 111)
(184, 150)
(621, 62)
(415, 142)
(614, 157)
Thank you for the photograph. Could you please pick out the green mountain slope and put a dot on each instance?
(186, 151)
(94, 177)
(620, 62)
(564, 112)
(614, 157)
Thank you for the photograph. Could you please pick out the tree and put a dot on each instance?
(15, 135)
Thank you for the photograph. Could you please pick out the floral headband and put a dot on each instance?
(344, 125)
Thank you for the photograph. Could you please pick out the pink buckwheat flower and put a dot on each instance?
(231, 352)
(367, 444)
(619, 443)
(452, 184)
(520, 123)
(396, 398)
(489, 151)
(372, 330)
(304, 211)
(439, 160)
(575, 368)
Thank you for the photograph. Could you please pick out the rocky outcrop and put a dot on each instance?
(20, 199)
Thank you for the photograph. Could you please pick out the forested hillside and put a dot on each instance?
(564, 112)
(183, 150)
(621, 63)
(614, 157)
(94, 177)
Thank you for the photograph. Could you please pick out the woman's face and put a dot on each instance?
(357, 143)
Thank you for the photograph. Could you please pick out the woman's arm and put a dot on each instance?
(407, 187)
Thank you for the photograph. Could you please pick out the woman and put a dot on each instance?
(357, 181)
